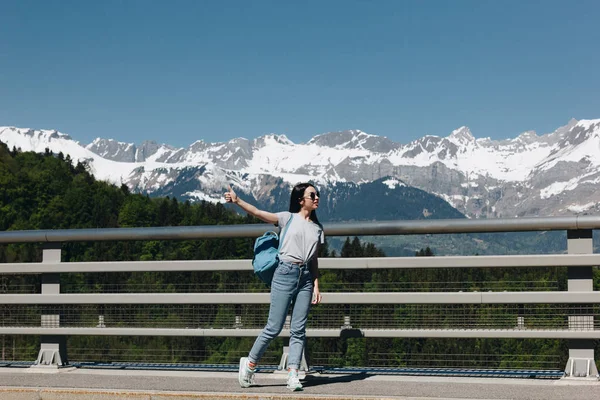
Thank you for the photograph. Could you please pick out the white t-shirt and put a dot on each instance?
(300, 240)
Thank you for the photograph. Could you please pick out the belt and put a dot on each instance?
(299, 264)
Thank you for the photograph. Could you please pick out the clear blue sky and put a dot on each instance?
(179, 71)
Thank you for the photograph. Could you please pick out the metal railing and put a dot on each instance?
(53, 314)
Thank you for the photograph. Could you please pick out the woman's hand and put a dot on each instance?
(230, 196)
(317, 297)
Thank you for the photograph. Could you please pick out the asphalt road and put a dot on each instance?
(26, 384)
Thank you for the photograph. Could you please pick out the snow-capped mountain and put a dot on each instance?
(552, 174)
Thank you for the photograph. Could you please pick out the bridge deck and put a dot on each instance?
(73, 383)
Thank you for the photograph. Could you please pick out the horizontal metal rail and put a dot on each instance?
(364, 228)
(374, 333)
(328, 298)
(546, 260)
(471, 372)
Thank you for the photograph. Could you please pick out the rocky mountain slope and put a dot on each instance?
(530, 175)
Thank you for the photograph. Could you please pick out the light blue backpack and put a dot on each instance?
(266, 254)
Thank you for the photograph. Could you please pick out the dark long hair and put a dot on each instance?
(297, 196)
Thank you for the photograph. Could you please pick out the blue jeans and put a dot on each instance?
(292, 284)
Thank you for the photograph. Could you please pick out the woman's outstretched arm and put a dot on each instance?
(232, 197)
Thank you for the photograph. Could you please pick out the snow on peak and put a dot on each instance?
(354, 140)
(588, 123)
(238, 140)
(113, 150)
(578, 144)
(461, 136)
(35, 140)
(273, 138)
(283, 139)
(358, 133)
(527, 137)
(101, 141)
(35, 134)
(39, 140)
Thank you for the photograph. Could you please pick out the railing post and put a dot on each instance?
(347, 320)
(53, 348)
(238, 324)
(581, 363)
(303, 367)
(101, 323)
(521, 317)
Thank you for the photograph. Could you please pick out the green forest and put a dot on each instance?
(49, 191)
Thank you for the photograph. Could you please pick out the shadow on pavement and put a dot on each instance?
(312, 380)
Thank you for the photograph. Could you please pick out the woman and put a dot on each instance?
(296, 278)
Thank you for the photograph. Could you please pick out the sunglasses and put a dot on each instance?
(313, 196)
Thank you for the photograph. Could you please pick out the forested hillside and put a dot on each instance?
(46, 191)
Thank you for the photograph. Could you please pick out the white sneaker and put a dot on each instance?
(245, 375)
(293, 382)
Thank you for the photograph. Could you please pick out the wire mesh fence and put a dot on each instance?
(15, 348)
(384, 280)
(12, 284)
(443, 360)
(331, 352)
(168, 356)
(373, 286)
(321, 352)
(435, 280)
(335, 352)
(324, 316)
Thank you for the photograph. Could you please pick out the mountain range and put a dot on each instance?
(530, 175)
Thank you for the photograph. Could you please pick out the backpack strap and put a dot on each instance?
(284, 231)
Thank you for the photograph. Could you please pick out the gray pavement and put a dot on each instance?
(72, 384)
